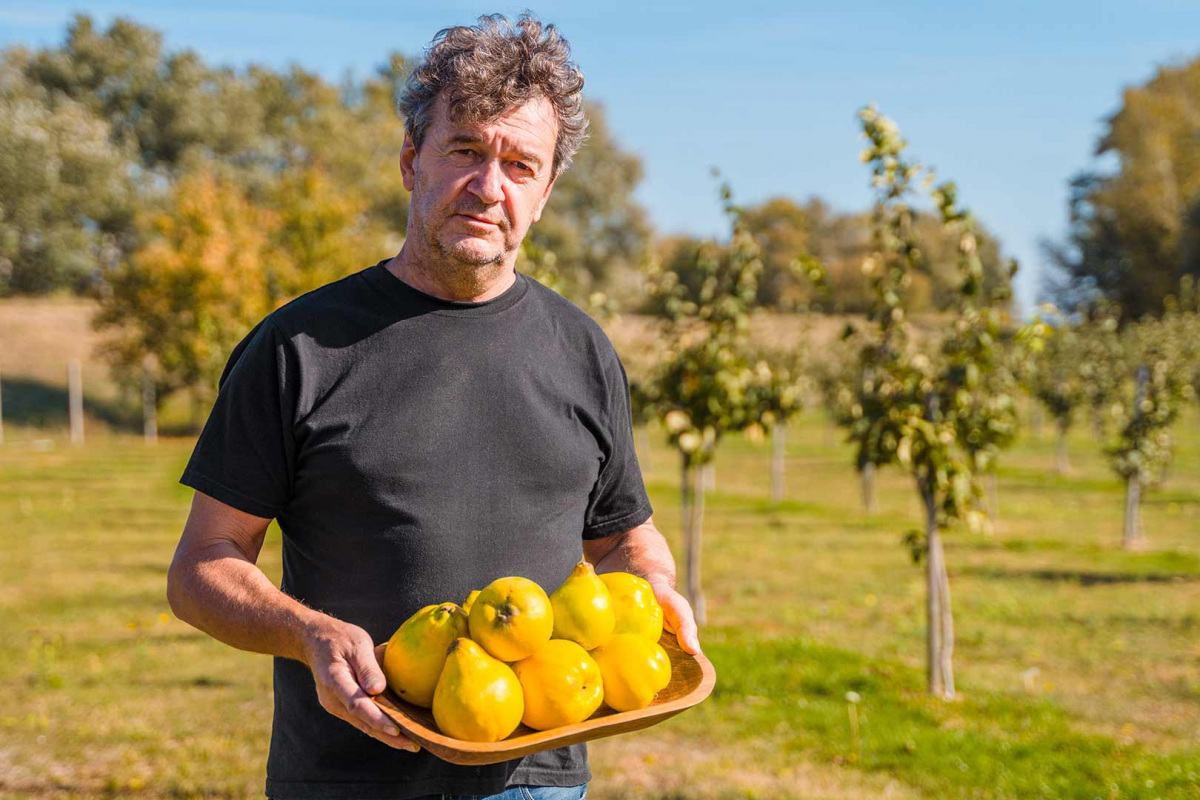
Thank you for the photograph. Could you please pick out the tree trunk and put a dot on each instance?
(149, 406)
(992, 486)
(75, 399)
(868, 488)
(197, 418)
(708, 475)
(1061, 462)
(939, 619)
(1098, 424)
(778, 441)
(694, 510)
(1132, 536)
(645, 448)
(1, 410)
(1133, 522)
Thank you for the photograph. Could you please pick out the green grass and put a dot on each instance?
(1077, 663)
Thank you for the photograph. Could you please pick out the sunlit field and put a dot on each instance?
(1077, 663)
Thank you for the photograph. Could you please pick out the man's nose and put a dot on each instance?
(488, 182)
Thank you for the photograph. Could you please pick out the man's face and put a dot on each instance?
(477, 189)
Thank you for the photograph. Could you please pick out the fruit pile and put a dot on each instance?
(511, 654)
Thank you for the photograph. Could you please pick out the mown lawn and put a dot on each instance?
(1078, 664)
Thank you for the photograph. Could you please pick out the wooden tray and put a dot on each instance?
(692, 680)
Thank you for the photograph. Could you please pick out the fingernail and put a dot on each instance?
(392, 730)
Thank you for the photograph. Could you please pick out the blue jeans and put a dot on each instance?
(530, 793)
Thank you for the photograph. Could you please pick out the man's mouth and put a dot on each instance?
(478, 220)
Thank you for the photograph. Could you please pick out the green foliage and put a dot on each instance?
(706, 385)
(942, 413)
(1143, 443)
(594, 226)
(1081, 364)
(67, 199)
(778, 389)
(109, 104)
(782, 229)
(703, 385)
(1163, 358)
(812, 259)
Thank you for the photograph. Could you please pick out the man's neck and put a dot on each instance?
(473, 286)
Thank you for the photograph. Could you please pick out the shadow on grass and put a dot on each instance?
(796, 695)
(1081, 577)
(37, 404)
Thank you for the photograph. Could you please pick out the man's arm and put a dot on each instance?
(215, 585)
(644, 552)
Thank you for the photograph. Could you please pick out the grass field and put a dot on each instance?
(1078, 664)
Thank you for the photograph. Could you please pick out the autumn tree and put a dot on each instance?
(597, 230)
(1134, 231)
(207, 273)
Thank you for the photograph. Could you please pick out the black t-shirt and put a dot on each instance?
(413, 449)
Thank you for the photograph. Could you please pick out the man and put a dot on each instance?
(419, 429)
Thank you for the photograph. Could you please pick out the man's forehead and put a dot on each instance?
(533, 122)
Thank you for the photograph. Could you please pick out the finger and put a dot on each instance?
(678, 613)
(366, 669)
(400, 741)
(357, 701)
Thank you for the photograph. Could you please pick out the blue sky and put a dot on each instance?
(1005, 98)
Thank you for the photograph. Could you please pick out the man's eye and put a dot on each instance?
(523, 167)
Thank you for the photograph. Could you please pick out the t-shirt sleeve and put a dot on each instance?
(245, 454)
(618, 501)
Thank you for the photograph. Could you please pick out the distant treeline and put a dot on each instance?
(1135, 231)
(97, 135)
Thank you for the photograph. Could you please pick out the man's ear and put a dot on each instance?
(545, 197)
(408, 162)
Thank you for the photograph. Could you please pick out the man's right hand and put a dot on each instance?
(342, 659)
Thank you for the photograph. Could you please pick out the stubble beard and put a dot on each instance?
(468, 273)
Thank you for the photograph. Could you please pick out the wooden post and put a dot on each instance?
(1132, 536)
(993, 495)
(75, 393)
(149, 404)
(695, 592)
(645, 458)
(870, 504)
(1133, 499)
(778, 445)
(691, 496)
(1062, 462)
(939, 619)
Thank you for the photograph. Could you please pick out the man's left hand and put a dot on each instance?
(678, 617)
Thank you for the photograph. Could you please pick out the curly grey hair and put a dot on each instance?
(491, 68)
